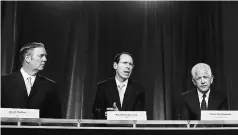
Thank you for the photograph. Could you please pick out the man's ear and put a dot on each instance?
(194, 82)
(115, 65)
(212, 79)
(28, 58)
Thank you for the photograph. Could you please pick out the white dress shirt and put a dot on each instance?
(122, 90)
(25, 76)
(200, 94)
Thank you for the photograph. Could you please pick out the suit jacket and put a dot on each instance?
(190, 105)
(107, 94)
(43, 95)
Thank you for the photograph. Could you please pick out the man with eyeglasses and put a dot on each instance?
(202, 97)
(119, 93)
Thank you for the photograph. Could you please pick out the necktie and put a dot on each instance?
(203, 104)
(121, 92)
(28, 85)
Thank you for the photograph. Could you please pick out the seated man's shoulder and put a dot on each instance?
(219, 93)
(47, 79)
(134, 81)
(105, 82)
(10, 75)
(186, 93)
(136, 84)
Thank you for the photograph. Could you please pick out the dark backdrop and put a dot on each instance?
(166, 39)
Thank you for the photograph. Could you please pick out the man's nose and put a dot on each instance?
(128, 65)
(44, 58)
(202, 80)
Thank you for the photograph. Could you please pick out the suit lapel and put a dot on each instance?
(196, 102)
(36, 86)
(128, 94)
(18, 78)
(114, 94)
(211, 101)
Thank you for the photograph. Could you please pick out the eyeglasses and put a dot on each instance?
(124, 63)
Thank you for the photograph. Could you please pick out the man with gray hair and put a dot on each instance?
(202, 97)
(27, 89)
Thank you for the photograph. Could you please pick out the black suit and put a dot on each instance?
(190, 105)
(43, 95)
(107, 94)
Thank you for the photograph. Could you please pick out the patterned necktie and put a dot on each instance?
(28, 85)
(203, 104)
(121, 92)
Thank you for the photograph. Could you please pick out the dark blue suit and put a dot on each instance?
(107, 94)
(190, 105)
(43, 95)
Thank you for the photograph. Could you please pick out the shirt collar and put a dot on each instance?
(200, 94)
(25, 75)
(118, 82)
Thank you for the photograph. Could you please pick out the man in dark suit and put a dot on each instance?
(203, 97)
(27, 89)
(119, 93)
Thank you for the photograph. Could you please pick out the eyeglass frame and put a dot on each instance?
(125, 62)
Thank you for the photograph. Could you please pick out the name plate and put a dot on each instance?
(219, 115)
(19, 113)
(126, 115)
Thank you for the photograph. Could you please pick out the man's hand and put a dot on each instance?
(112, 109)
